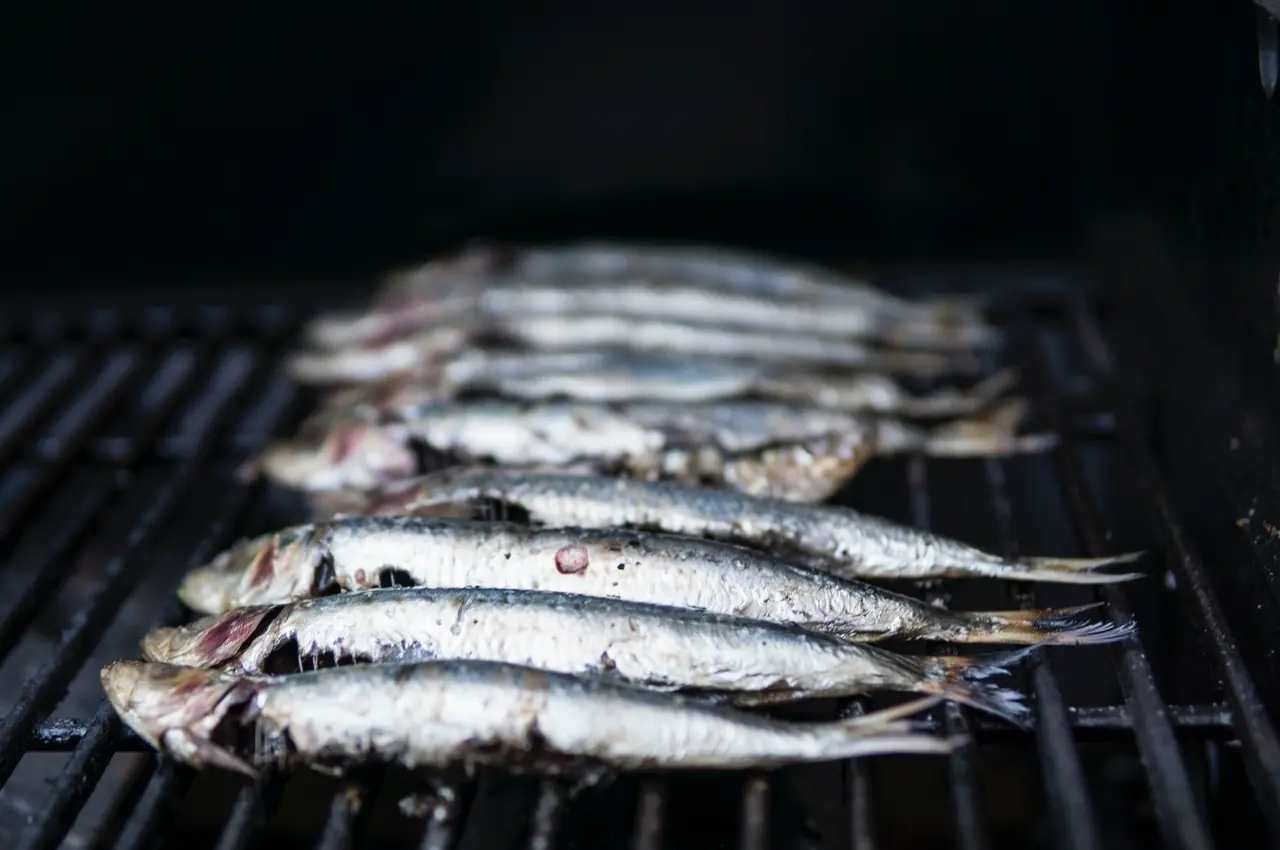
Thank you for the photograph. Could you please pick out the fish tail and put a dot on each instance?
(886, 732)
(1072, 570)
(951, 323)
(951, 402)
(923, 364)
(992, 435)
(961, 679)
(1049, 626)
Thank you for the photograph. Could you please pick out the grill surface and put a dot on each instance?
(119, 433)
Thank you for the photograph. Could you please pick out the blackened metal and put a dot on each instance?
(1177, 812)
(75, 783)
(65, 437)
(858, 789)
(344, 811)
(148, 814)
(546, 815)
(650, 803)
(442, 823)
(118, 578)
(1261, 749)
(964, 801)
(755, 812)
(1074, 820)
(249, 813)
(23, 413)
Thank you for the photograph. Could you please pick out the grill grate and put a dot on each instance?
(119, 433)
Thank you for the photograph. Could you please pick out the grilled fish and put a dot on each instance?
(836, 539)
(414, 355)
(602, 376)
(441, 714)
(359, 553)
(648, 645)
(799, 453)
(734, 286)
(500, 302)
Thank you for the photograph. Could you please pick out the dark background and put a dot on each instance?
(183, 142)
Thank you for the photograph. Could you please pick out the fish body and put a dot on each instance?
(647, 645)
(442, 714)
(361, 553)
(836, 539)
(414, 354)
(796, 452)
(610, 376)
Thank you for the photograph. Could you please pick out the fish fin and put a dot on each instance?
(891, 720)
(1072, 570)
(1047, 626)
(991, 435)
(923, 364)
(960, 679)
(952, 402)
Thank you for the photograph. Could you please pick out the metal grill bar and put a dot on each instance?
(71, 431)
(1179, 817)
(547, 813)
(649, 808)
(970, 833)
(858, 780)
(203, 428)
(119, 578)
(1261, 750)
(1068, 800)
(755, 812)
(249, 814)
(446, 813)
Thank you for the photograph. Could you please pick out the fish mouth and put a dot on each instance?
(209, 641)
(211, 589)
(178, 709)
(351, 453)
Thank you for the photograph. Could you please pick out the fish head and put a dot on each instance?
(209, 641)
(178, 709)
(353, 452)
(274, 568)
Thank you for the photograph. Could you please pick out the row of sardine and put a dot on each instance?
(631, 553)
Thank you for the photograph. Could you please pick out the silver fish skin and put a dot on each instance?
(836, 539)
(590, 331)
(604, 376)
(416, 353)
(441, 714)
(647, 645)
(802, 453)
(673, 301)
(359, 553)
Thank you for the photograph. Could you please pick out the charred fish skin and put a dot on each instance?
(440, 714)
(647, 645)
(358, 553)
(836, 539)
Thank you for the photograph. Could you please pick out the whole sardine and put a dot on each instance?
(836, 539)
(648, 645)
(442, 714)
(799, 453)
(362, 553)
(500, 302)
(611, 376)
(414, 297)
(413, 355)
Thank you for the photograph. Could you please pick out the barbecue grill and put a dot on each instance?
(125, 411)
